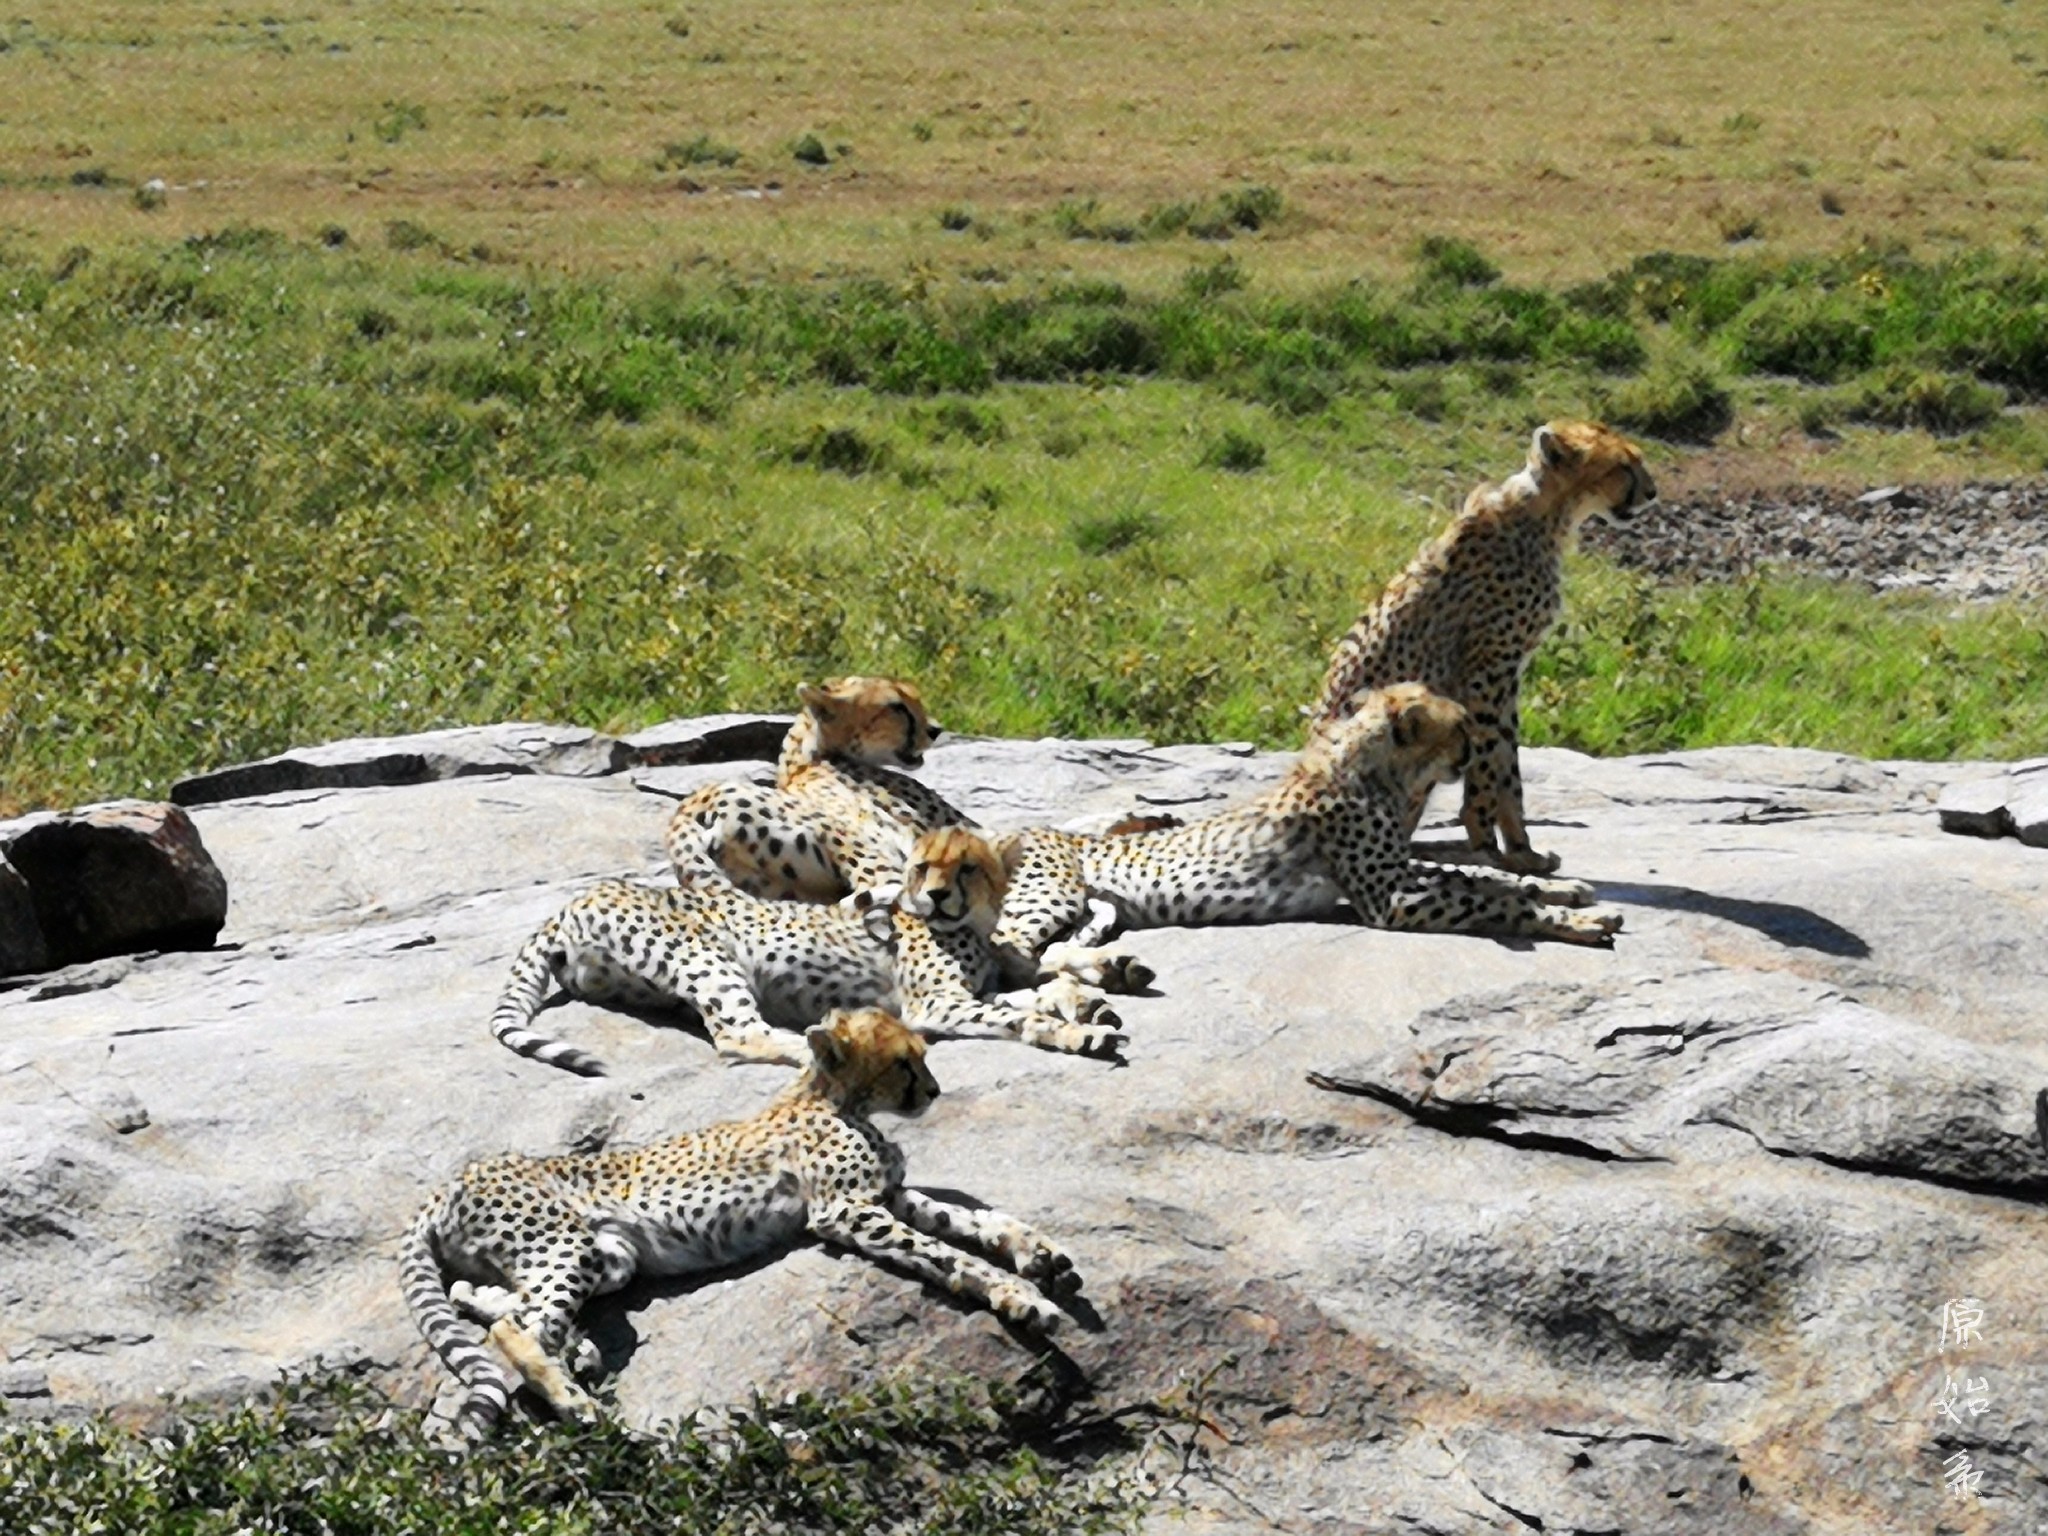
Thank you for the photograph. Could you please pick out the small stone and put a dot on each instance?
(1880, 496)
(2028, 813)
(1976, 807)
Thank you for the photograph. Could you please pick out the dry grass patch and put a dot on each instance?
(1562, 136)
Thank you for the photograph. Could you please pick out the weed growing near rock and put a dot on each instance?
(331, 1456)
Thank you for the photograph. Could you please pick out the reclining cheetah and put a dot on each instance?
(1468, 613)
(544, 1235)
(838, 819)
(1334, 829)
(746, 964)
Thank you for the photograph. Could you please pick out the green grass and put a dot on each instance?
(256, 492)
(333, 1459)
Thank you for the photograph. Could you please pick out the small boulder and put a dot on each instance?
(2027, 811)
(1976, 807)
(106, 880)
(21, 936)
(370, 762)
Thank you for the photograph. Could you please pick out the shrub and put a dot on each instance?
(843, 450)
(1114, 532)
(1206, 281)
(810, 150)
(1238, 452)
(702, 150)
(1813, 335)
(1448, 261)
(1946, 403)
(1679, 400)
(405, 235)
(956, 219)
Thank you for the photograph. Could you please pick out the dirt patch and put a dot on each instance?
(1973, 541)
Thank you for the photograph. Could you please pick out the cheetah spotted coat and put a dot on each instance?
(747, 966)
(1468, 613)
(1335, 830)
(530, 1240)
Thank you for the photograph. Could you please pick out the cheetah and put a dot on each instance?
(838, 819)
(1334, 829)
(1470, 610)
(746, 965)
(530, 1240)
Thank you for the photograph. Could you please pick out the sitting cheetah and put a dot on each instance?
(746, 964)
(544, 1235)
(1334, 829)
(1468, 613)
(838, 819)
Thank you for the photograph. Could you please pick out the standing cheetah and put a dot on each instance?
(1468, 613)
(533, 1239)
(838, 819)
(746, 965)
(1333, 830)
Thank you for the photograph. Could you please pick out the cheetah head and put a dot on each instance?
(956, 876)
(1589, 470)
(870, 1061)
(875, 720)
(1421, 736)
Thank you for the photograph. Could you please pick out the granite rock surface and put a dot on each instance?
(1455, 1234)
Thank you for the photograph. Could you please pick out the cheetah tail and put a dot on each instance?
(532, 971)
(460, 1343)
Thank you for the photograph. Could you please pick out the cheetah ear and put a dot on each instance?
(1408, 723)
(826, 1047)
(1009, 850)
(1550, 451)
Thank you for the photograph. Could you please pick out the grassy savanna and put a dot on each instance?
(258, 492)
(1564, 137)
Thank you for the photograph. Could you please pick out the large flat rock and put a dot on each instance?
(1651, 1239)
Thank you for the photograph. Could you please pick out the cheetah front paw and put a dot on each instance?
(768, 1047)
(1056, 1034)
(1595, 926)
(1021, 1305)
(1049, 1267)
(1527, 861)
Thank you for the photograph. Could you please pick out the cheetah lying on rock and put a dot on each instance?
(532, 1239)
(1469, 612)
(747, 965)
(838, 819)
(1335, 829)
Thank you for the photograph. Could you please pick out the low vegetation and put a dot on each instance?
(257, 492)
(332, 1459)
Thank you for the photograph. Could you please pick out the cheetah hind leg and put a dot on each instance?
(1085, 956)
(1004, 1238)
(544, 1373)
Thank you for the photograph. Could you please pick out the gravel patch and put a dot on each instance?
(1967, 541)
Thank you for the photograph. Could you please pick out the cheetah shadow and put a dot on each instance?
(610, 1322)
(1781, 922)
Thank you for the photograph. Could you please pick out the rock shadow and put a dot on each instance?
(1782, 922)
